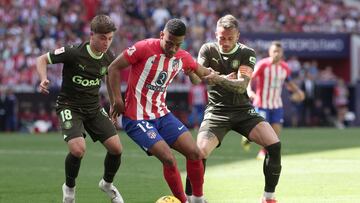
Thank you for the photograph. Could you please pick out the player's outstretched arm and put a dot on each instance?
(235, 82)
(197, 75)
(194, 78)
(114, 85)
(41, 67)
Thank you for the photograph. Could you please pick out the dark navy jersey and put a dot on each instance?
(210, 56)
(81, 75)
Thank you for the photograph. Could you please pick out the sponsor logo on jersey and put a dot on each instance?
(252, 112)
(155, 88)
(102, 110)
(216, 60)
(82, 66)
(131, 50)
(160, 81)
(161, 78)
(77, 79)
(252, 60)
(59, 50)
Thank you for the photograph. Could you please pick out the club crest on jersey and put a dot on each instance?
(67, 125)
(235, 64)
(103, 70)
(175, 64)
(131, 50)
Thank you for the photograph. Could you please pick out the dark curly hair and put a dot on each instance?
(176, 27)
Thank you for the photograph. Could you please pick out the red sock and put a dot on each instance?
(195, 172)
(173, 179)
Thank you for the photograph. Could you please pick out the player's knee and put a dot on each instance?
(78, 152)
(113, 145)
(274, 152)
(116, 149)
(195, 154)
(168, 159)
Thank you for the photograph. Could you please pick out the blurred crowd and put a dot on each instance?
(29, 28)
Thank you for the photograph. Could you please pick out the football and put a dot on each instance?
(168, 199)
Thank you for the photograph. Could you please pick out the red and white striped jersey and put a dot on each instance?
(269, 80)
(150, 75)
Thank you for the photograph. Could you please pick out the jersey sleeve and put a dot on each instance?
(248, 58)
(60, 55)
(202, 58)
(189, 63)
(136, 52)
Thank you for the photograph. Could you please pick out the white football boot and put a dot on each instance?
(111, 191)
(68, 194)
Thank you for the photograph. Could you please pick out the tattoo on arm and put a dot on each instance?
(235, 85)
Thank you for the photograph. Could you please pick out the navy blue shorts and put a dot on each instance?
(272, 115)
(147, 132)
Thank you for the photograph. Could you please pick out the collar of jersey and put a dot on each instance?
(92, 54)
(232, 51)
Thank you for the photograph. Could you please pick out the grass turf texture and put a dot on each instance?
(319, 165)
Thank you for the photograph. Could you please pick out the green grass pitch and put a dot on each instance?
(319, 165)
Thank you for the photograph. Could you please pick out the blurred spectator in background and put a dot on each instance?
(197, 100)
(42, 122)
(321, 114)
(309, 87)
(26, 119)
(2, 109)
(313, 69)
(11, 110)
(55, 123)
(327, 75)
(30, 27)
(340, 99)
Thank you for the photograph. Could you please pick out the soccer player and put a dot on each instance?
(78, 105)
(270, 75)
(146, 118)
(229, 106)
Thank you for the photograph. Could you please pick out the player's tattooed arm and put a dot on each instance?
(197, 75)
(235, 82)
(194, 78)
